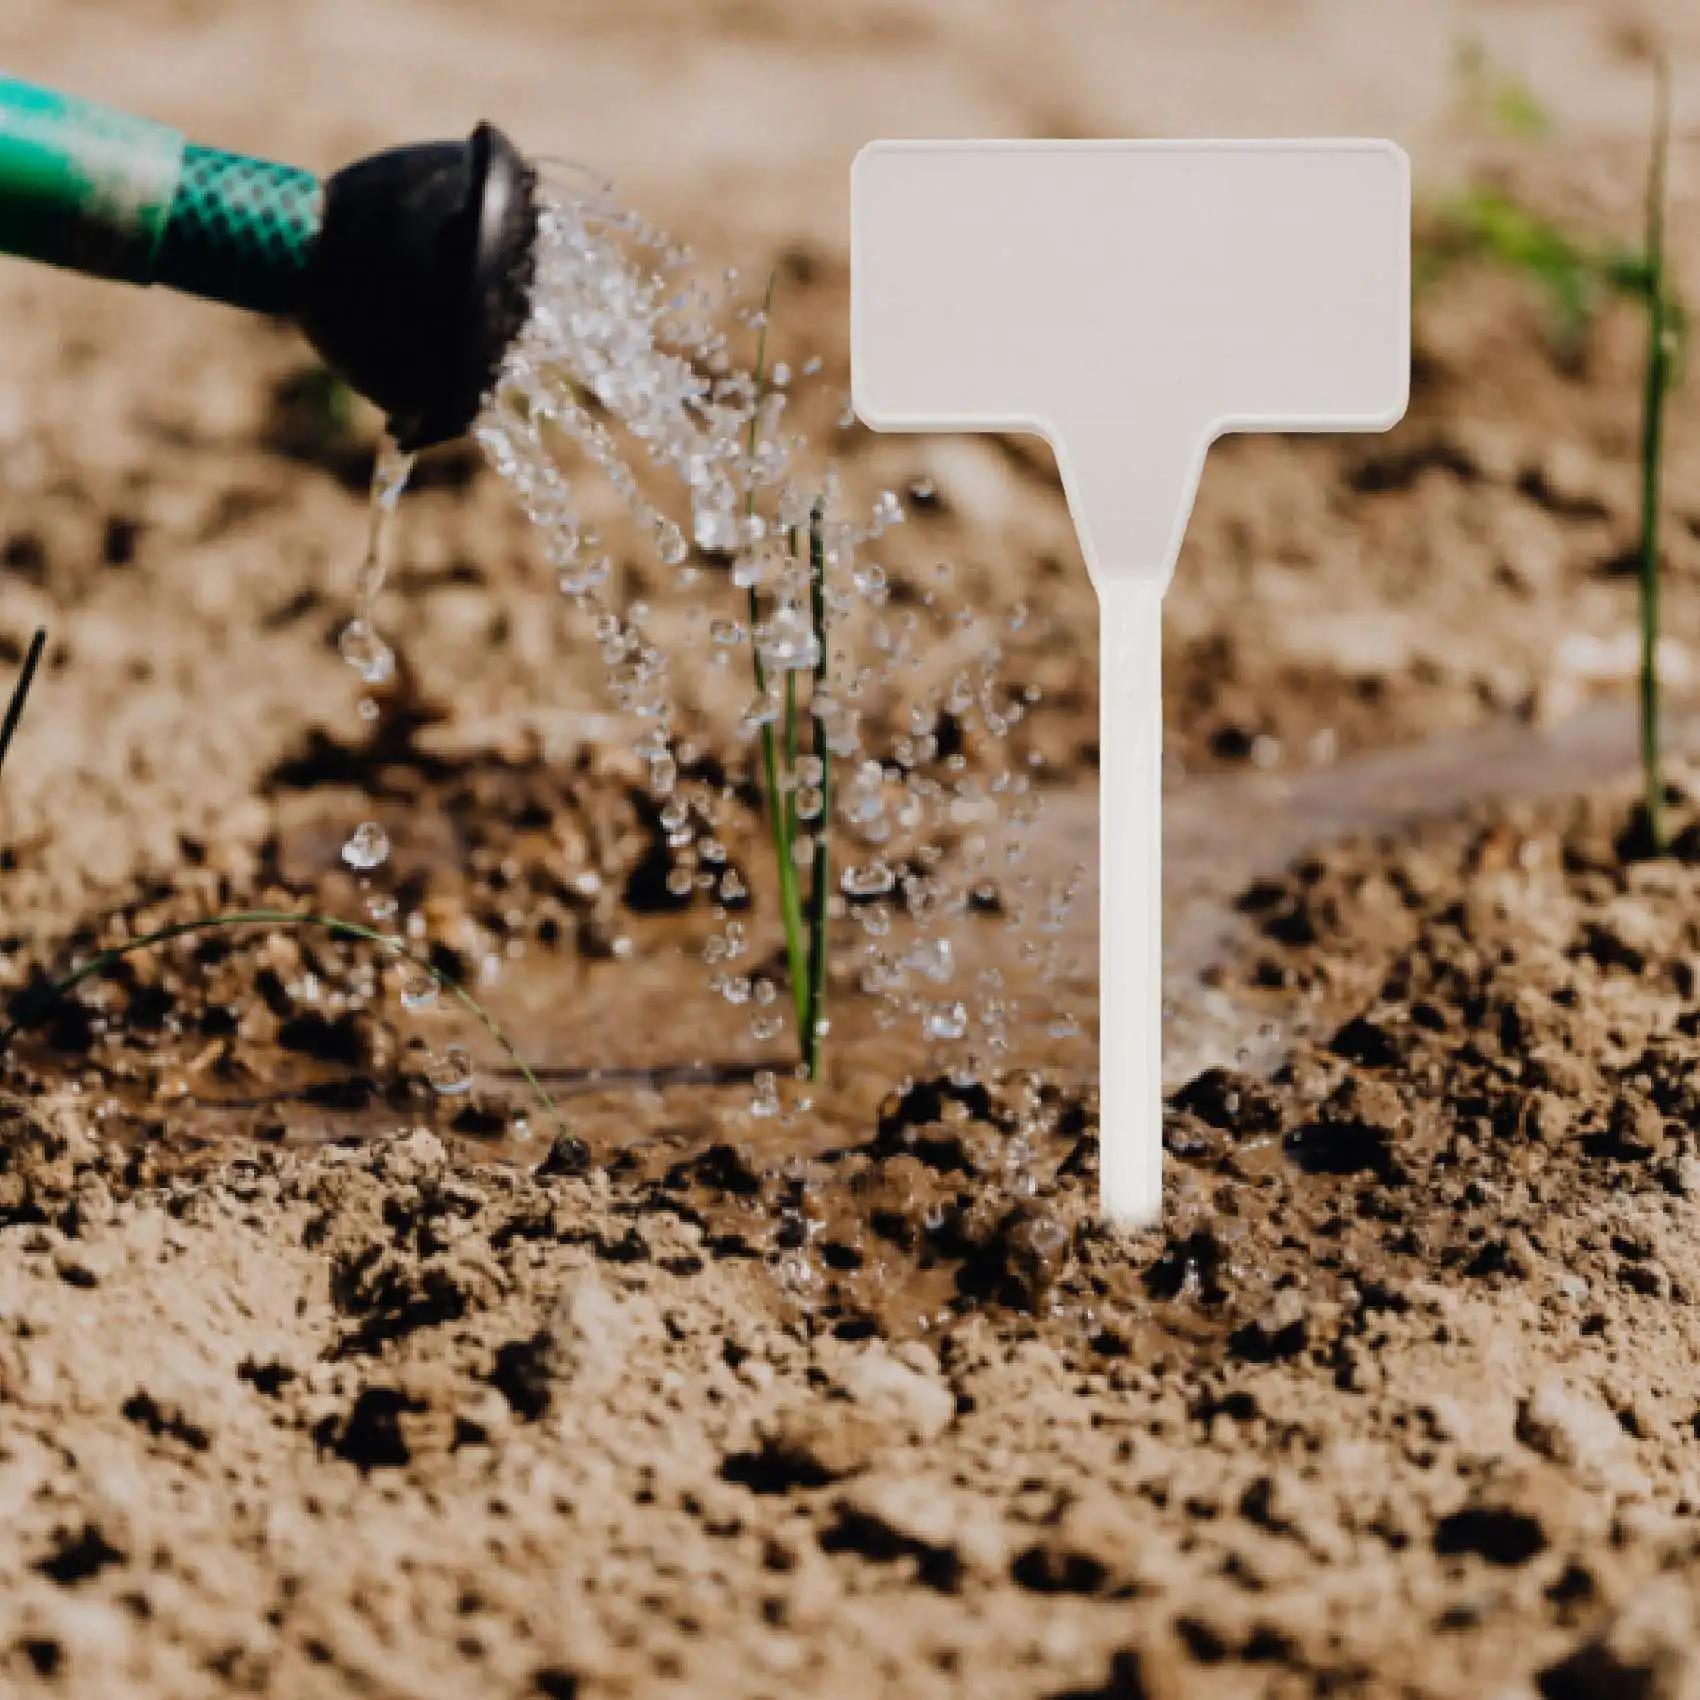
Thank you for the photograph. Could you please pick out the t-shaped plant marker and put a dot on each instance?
(1131, 302)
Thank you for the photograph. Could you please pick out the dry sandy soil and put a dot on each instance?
(313, 1382)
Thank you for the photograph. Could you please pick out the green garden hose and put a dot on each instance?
(409, 271)
(101, 192)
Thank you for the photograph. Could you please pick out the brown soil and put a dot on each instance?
(315, 1381)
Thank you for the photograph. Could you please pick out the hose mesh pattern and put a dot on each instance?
(240, 230)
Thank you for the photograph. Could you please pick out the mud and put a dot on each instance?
(316, 1380)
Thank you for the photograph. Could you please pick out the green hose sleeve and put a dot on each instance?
(240, 230)
(98, 191)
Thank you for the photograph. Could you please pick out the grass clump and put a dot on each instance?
(1578, 273)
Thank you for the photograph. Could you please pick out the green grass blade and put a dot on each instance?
(38, 1002)
(1652, 466)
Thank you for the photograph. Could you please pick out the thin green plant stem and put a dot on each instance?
(791, 735)
(1652, 465)
(20, 692)
(778, 804)
(821, 874)
(790, 898)
(793, 822)
(796, 538)
(101, 961)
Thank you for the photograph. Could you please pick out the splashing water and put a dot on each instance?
(625, 363)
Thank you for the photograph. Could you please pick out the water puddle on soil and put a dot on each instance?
(638, 1048)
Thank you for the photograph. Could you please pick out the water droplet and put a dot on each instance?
(932, 957)
(588, 573)
(716, 531)
(945, 1022)
(762, 711)
(871, 879)
(766, 1101)
(875, 919)
(366, 652)
(419, 989)
(368, 847)
(864, 805)
(452, 1073)
(788, 644)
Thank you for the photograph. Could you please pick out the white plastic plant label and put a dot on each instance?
(1130, 302)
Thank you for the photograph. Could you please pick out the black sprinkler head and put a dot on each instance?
(421, 278)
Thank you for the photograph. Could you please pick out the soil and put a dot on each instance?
(316, 1380)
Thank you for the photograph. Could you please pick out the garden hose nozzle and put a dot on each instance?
(409, 271)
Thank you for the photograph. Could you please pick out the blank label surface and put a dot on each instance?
(1130, 301)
